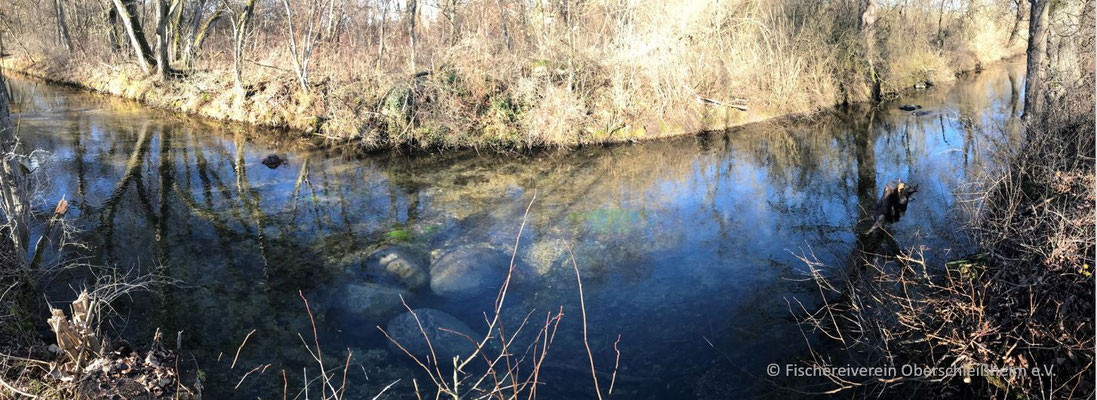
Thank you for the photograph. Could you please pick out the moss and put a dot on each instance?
(396, 103)
(501, 121)
(540, 66)
(318, 124)
(399, 235)
(634, 132)
(430, 230)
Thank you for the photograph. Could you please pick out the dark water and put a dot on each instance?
(681, 243)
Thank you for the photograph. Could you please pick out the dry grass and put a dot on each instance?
(1025, 300)
(590, 72)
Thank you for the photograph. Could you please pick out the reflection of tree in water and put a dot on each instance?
(131, 176)
(708, 208)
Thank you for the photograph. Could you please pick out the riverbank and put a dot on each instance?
(658, 75)
(276, 104)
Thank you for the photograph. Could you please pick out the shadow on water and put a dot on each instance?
(681, 242)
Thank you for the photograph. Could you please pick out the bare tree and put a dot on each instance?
(175, 28)
(413, 11)
(113, 37)
(1036, 69)
(301, 59)
(199, 34)
(381, 40)
(868, 33)
(162, 41)
(940, 25)
(334, 17)
(62, 27)
(1020, 4)
(449, 11)
(239, 36)
(13, 182)
(503, 20)
(126, 14)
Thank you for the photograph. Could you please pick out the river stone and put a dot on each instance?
(374, 302)
(545, 255)
(469, 272)
(405, 331)
(397, 263)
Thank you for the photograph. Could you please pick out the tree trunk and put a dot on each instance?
(412, 11)
(333, 20)
(13, 183)
(451, 19)
(112, 35)
(195, 25)
(1036, 69)
(176, 29)
(126, 13)
(1016, 23)
(162, 67)
(503, 20)
(868, 33)
(240, 33)
(62, 27)
(200, 35)
(381, 44)
(300, 60)
(940, 23)
(1054, 42)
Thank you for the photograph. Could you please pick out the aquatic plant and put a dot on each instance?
(399, 235)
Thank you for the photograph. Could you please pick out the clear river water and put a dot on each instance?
(687, 248)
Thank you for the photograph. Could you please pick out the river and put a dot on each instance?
(688, 248)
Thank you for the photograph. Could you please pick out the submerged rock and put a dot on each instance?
(368, 290)
(405, 331)
(546, 255)
(395, 265)
(469, 272)
(273, 161)
(365, 302)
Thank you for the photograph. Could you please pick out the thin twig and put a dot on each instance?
(240, 348)
(583, 310)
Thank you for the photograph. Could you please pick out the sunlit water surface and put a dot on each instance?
(688, 248)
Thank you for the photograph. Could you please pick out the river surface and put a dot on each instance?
(688, 248)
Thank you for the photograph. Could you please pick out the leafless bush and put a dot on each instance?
(85, 362)
(574, 71)
(965, 317)
(1025, 300)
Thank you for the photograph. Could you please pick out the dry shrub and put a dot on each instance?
(1038, 230)
(620, 70)
(913, 61)
(555, 111)
(980, 33)
(1025, 300)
